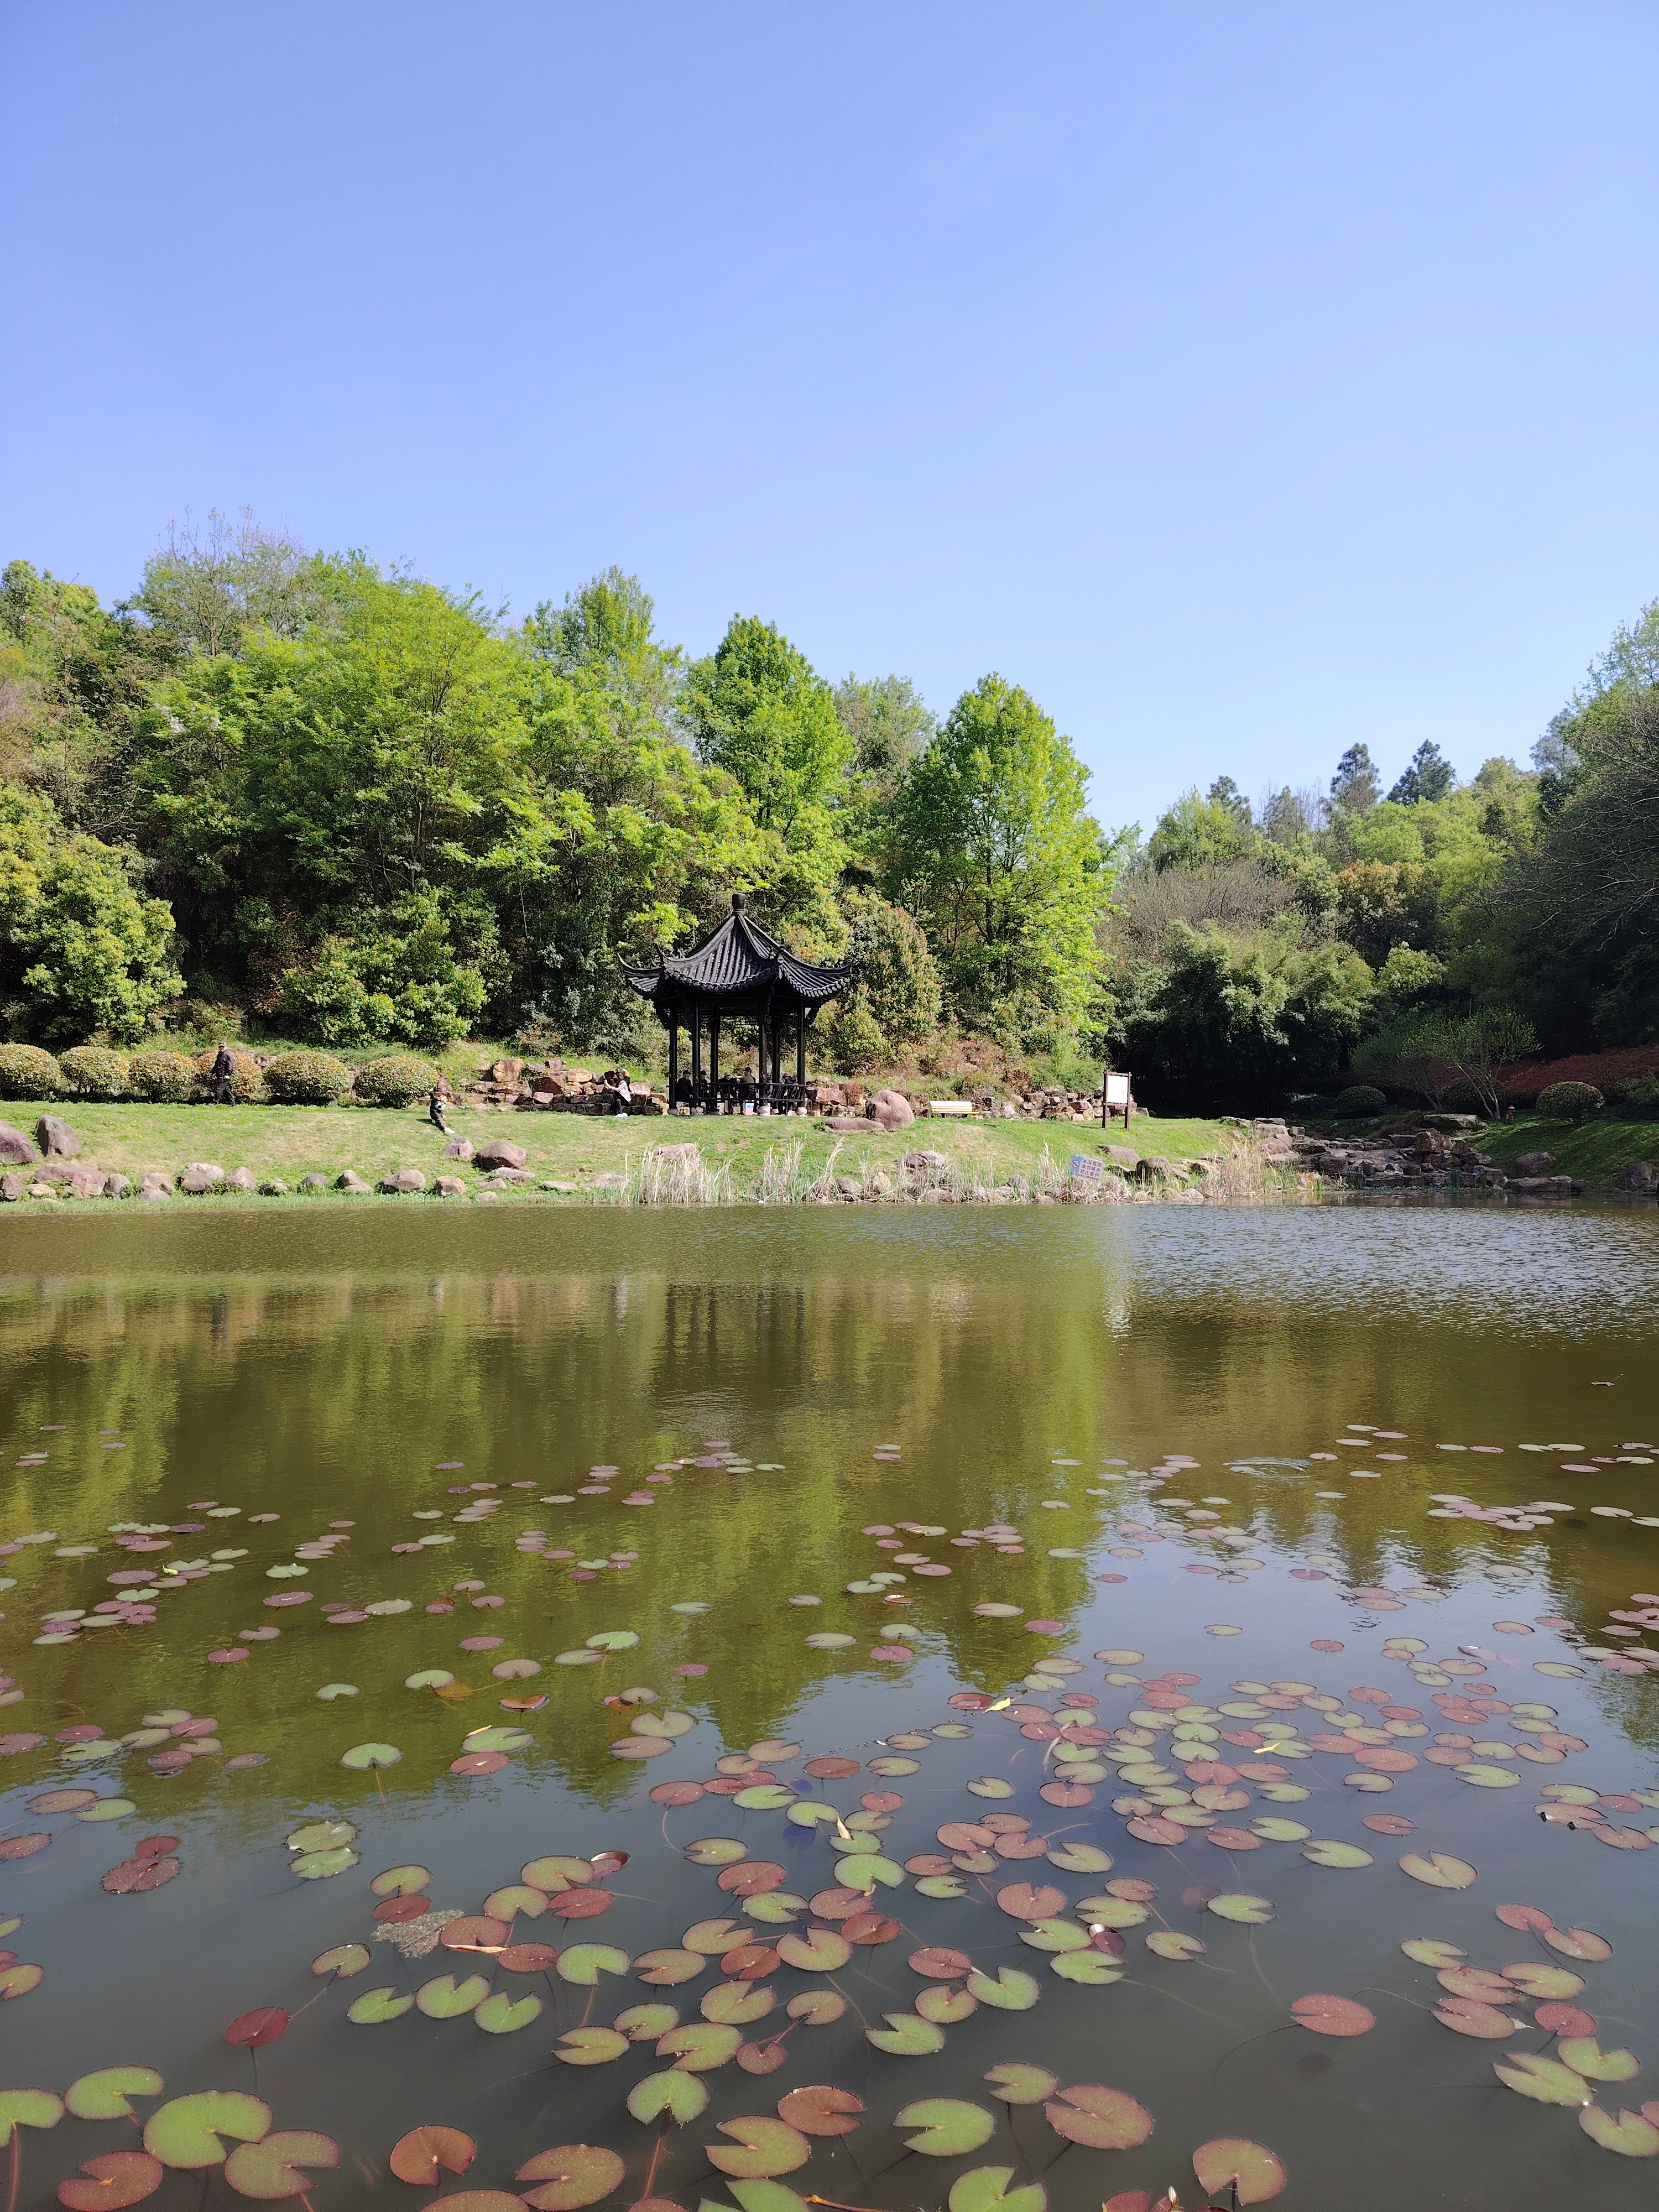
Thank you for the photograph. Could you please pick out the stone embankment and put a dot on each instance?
(1437, 1153)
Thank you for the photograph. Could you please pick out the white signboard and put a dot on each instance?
(1117, 1089)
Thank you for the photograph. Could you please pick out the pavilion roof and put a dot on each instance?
(739, 961)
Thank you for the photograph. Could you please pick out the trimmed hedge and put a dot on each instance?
(247, 1077)
(1360, 1098)
(25, 1072)
(308, 1079)
(92, 1070)
(1569, 1101)
(161, 1078)
(396, 1079)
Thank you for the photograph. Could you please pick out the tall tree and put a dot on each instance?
(996, 855)
(1354, 787)
(1430, 776)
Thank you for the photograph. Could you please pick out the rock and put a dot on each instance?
(1534, 1164)
(450, 1187)
(847, 1124)
(458, 1148)
(274, 1187)
(890, 1109)
(43, 1190)
(87, 1183)
(55, 1138)
(148, 1190)
(506, 1071)
(927, 1163)
(671, 1155)
(1449, 1124)
(1640, 1175)
(500, 1153)
(1155, 1170)
(562, 1187)
(878, 1186)
(200, 1177)
(609, 1182)
(503, 1178)
(16, 1149)
(1121, 1156)
(239, 1179)
(313, 1182)
(845, 1187)
(117, 1186)
(403, 1183)
(1546, 1186)
(351, 1182)
(12, 1187)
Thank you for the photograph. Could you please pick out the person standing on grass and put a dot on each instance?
(434, 1109)
(224, 1068)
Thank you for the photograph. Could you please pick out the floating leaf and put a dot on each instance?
(819, 1951)
(1092, 1968)
(319, 1866)
(501, 2015)
(1336, 1854)
(664, 1969)
(613, 1639)
(1429, 1953)
(985, 2189)
(425, 2153)
(1272, 1831)
(118, 2178)
(251, 2031)
(760, 2149)
(821, 2111)
(445, 1998)
(28, 2108)
(1102, 2119)
(1251, 1911)
(1230, 2160)
(1534, 1979)
(103, 2095)
(1438, 1869)
(865, 1868)
(1169, 1943)
(1079, 1858)
(377, 2005)
(907, 2035)
(991, 1786)
(1332, 2015)
(948, 2127)
(1469, 2016)
(945, 2007)
(1586, 2056)
(274, 2167)
(430, 1678)
(401, 1881)
(1631, 2135)
(573, 2175)
(1016, 2083)
(674, 2095)
(322, 1836)
(1011, 1990)
(700, 2047)
(1578, 1943)
(737, 2004)
(1112, 1912)
(1545, 2079)
(185, 2133)
(583, 1963)
(764, 1798)
(363, 1756)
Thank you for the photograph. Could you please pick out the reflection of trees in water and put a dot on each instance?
(329, 1397)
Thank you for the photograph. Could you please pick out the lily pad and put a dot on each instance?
(1328, 2016)
(28, 2108)
(1438, 1869)
(1230, 2160)
(760, 2149)
(185, 2133)
(425, 2153)
(907, 2035)
(1103, 2119)
(275, 2166)
(362, 1756)
(445, 1998)
(821, 2110)
(1545, 2079)
(104, 2096)
(985, 2189)
(501, 2015)
(947, 2127)
(1249, 1912)
(573, 2175)
(1631, 2134)
(375, 2006)
(583, 1963)
(1017, 2083)
(674, 2096)
(1010, 1991)
(115, 2179)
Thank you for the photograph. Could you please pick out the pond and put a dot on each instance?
(876, 1709)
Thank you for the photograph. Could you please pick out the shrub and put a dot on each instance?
(164, 1079)
(25, 1072)
(1360, 1098)
(91, 1071)
(1463, 1098)
(1639, 1095)
(1569, 1102)
(308, 1079)
(853, 1035)
(396, 1079)
(893, 968)
(247, 1077)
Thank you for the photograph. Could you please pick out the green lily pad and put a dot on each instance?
(1230, 2160)
(317, 1866)
(185, 2133)
(322, 1836)
(103, 2095)
(429, 1678)
(1279, 1832)
(1170, 1943)
(1055, 1936)
(502, 2015)
(701, 2046)
(377, 2005)
(985, 2189)
(363, 1756)
(941, 1885)
(613, 1639)
(330, 1691)
(1336, 1854)
(280, 2164)
(445, 1998)
(1544, 2079)
(672, 2096)
(108, 1809)
(1080, 1858)
(1010, 1991)
(592, 2046)
(583, 1963)
(1249, 1912)
(28, 2108)
(1093, 1968)
(947, 2128)
(1585, 2055)
(907, 2036)
(764, 1798)
(1016, 2083)
(829, 1639)
(863, 1870)
(1632, 2134)
(991, 1786)
(760, 2147)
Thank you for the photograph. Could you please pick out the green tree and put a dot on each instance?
(757, 707)
(82, 950)
(1354, 787)
(1430, 776)
(1202, 832)
(998, 859)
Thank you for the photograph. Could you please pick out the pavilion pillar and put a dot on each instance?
(714, 1059)
(673, 1057)
(800, 1046)
(696, 1050)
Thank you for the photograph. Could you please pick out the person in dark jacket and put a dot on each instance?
(224, 1069)
(434, 1109)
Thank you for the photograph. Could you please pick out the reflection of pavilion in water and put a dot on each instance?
(739, 973)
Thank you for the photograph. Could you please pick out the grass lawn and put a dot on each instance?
(1595, 1150)
(290, 1141)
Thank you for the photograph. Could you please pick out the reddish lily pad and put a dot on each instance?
(1103, 2119)
(116, 2178)
(821, 2110)
(251, 2031)
(1230, 2160)
(425, 2153)
(760, 2149)
(569, 2177)
(1332, 2015)
(273, 2167)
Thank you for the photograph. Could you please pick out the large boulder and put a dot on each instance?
(313, 1183)
(458, 1148)
(239, 1179)
(403, 1182)
(153, 1185)
(1121, 1156)
(12, 1187)
(16, 1149)
(352, 1183)
(1534, 1164)
(1157, 1171)
(55, 1137)
(200, 1177)
(450, 1187)
(85, 1182)
(1640, 1175)
(847, 1125)
(117, 1186)
(500, 1153)
(890, 1109)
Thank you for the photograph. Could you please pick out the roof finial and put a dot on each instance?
(737, 902)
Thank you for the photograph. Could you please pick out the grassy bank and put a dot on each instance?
(579, 1149)
(1595, 1150)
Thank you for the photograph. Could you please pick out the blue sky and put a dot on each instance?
(1243, 380)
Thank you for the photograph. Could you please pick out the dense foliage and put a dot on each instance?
(274, 793)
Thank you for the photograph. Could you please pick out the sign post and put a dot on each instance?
(1115, 1098)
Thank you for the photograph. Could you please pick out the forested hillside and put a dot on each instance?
(298, 795)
